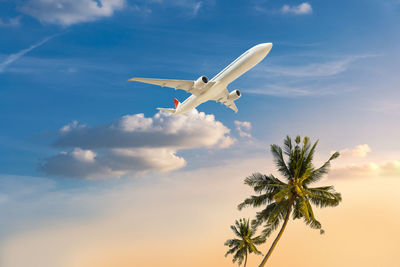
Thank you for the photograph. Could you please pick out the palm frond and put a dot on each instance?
(256, 201)
(236, 231)
(239, 256)
(324, 196)
(317, 174)
(262, 216)
(253, 249)
(261, 182)
(277, 214)
(287, 146)
(280, 162)
(295, 162)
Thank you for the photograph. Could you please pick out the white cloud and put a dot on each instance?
(196, 8)
(243, 128)
(134, 144)
(302, 9)
(367, 170)
(13, 57)
(12, 22)
(305, 79)
(83, 155)
(359, 151)
(191, 8)
(322, 69)
(70, 126)
(68, 12)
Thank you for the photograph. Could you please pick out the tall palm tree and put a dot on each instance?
(246, 242)
(295, 195)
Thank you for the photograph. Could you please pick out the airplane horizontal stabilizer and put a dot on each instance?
(171, 110)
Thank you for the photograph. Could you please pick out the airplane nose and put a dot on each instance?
(266, 46)
(263, 48)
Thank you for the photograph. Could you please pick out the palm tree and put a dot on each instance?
(295, 195)
(245, 244)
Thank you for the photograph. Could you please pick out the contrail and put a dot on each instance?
(13, 57)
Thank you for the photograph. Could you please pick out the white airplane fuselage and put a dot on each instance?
(239, 66)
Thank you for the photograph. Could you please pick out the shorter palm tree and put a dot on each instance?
(246, 242)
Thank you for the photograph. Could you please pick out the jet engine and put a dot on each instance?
(200, 82)
(235, 94)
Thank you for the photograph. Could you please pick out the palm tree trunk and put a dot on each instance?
(278, 237)
(245, 259)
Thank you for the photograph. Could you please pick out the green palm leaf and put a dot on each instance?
(281, 199)
(245, 243)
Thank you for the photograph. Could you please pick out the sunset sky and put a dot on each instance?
(91, 175)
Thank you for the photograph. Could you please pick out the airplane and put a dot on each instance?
(204, 90)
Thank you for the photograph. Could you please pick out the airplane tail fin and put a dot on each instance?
(176, 102)
(171, 110)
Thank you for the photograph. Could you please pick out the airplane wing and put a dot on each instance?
(223, 98)
(176, 84)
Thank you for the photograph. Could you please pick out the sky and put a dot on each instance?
(89, 167)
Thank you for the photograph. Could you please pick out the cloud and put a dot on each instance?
(302, 9)
(243, 127)
(13, 57)
(305, 80)
(12, 22)
(301, 90)
(389, 106)
(68, 12)
(191, 8)
(196, 8)
(322, 69)
(367, 170)
(359, 151)
(99, 218)
(132, 144)
(126, 225)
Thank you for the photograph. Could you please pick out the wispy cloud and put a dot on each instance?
(315, 78)
(68, 12)
(12, 22)
(327, 68)
(196, 8)
(13, 57)
(302, 9)
(189, 8)
(243, 128)
(294, 90)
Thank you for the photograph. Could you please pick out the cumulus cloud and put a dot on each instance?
(302, 9)
(385, 169)
(134, 143)
(359, 151)
(243, 128)
(68, 12)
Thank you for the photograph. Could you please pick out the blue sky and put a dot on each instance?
(336, 58)
(332, 74)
